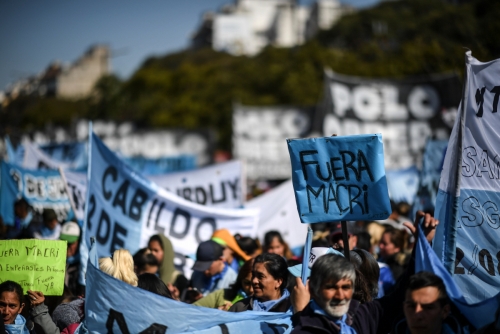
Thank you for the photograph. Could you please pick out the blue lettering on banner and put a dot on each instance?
(339, 178)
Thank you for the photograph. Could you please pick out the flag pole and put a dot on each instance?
(345, 239)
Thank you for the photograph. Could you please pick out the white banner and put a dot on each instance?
(259, 138)
(278, 211)
(220, 185)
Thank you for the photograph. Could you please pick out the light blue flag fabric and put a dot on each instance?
(74, 153)
(162, 165)
(112, 306)
(339, 178)
(479, 314)
(41, 189)
(403, 184)
(11, 153)
(432, 166)
(468, 200)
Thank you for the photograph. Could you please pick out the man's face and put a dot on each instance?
(423, 311)
(215, 268)
(51, 224)
(334, 297)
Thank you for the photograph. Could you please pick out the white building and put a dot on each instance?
(245, 27)
(65, 81)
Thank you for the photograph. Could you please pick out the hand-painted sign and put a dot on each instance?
(468, 200)
(41, 188)
(37, 265)
(124, 209)
(339, 178)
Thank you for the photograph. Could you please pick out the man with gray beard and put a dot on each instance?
(326, 305)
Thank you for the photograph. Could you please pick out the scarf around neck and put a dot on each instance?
(266, 306)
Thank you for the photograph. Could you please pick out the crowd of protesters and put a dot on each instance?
(375, 291)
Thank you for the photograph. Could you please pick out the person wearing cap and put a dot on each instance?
(333, 309)
(50, 229)
(336, 236)
(232, 252)
(70, 232)
(210, 271)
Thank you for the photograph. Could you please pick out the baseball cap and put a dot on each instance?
(207, 252)
(70, 232)
(316, 252)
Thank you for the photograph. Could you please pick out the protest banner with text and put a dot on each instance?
(468, 200)
(37, 265)
(124, 209)
(339, 178)
(41, 189)
(407, 111)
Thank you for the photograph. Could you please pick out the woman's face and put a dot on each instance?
(276, 247)
(155, 248)
(10, 306)
(265, 286)
(387, 247)
(246, 284)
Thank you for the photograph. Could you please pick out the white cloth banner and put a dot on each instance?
(76, 188)
(278, 211)
(468, 201)
(125, 209)
(220, 185)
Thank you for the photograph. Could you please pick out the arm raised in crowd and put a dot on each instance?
(40, 313)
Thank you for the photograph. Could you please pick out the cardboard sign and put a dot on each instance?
(35, 264)
(339, 178)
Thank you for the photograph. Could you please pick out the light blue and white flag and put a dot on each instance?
(124, 209)
(468, 200)
(11, 153)
(36, 158)
(403, 184)
(221, 185)
(112, 306)
(479, 314)
(162, 165)
(41, 189)
(76, 188)
(432, 166)
(339, 178)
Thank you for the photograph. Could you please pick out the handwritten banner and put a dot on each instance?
(339, 178)
(35, 264)
(41, 188)
(124, 209)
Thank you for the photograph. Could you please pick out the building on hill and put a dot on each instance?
(245, 27)
(70, 82)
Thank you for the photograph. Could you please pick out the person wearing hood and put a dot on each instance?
(11, 306)
(161, 247)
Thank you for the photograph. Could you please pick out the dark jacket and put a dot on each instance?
(450, 325)
(377, 316)
(246, 305)
(309, 322)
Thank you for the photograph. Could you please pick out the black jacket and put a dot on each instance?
(376, 317)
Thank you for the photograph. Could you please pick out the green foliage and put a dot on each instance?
(197, 88)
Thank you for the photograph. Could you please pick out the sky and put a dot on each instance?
(33, 33)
